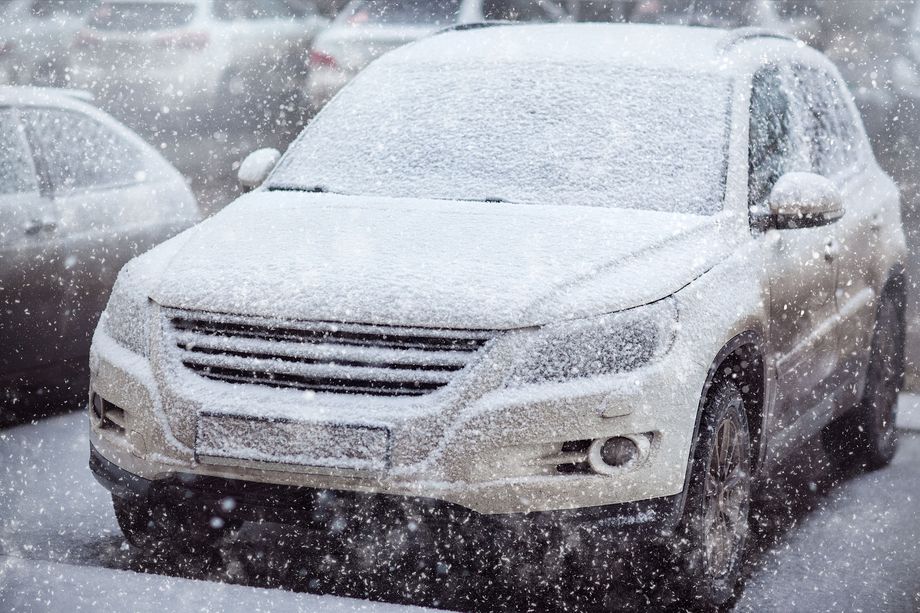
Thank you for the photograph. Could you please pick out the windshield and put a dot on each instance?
(142, 16)
(406, 12)
(591, 135)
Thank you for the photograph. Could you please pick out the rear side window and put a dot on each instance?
(233, 10)
(142, 16)
(51, 8)
(79, 153)
(514, 10)
(17, 174)
(828, 123)
(421, 12)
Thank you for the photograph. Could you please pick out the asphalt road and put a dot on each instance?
(836, 544)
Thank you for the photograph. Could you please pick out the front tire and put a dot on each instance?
(715, 528)
(154, 527)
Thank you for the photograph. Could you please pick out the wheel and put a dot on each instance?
(867, 436)
(715, 522)
(152, 527)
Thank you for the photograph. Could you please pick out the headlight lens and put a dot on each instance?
(614, 343)
(125, 316)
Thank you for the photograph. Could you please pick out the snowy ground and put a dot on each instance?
(850, 546)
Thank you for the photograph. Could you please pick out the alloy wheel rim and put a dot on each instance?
(726, 498)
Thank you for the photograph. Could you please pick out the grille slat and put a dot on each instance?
(322, 356)
(318, 371)
(324, 352)
(335, 334)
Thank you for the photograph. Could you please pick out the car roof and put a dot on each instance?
(653, 45)
(73, 99)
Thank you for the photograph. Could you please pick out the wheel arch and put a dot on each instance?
(741, 361)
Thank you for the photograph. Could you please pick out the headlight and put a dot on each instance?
(125, 316)
(614, 343)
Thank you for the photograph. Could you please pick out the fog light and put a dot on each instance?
(618, 453)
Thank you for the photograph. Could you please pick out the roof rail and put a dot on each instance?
(77, 94)
(473, 25)
(739, 35)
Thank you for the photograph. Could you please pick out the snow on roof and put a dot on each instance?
(44, 96)
(663, 46)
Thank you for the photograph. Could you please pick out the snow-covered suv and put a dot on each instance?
(565, 283)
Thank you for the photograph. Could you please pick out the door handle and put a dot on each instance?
(34, 226)
(831, 250)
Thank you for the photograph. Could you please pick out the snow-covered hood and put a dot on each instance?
(431, 262)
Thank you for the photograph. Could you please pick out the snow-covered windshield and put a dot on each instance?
(592, 135)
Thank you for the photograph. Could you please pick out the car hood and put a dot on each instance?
(433, 263)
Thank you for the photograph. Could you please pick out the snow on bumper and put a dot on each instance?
(497, 452)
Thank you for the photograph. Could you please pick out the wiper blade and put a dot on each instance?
(311, 189)
(498, 199)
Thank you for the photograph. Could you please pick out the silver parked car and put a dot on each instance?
(366, 29)
(584, 286)
(80, 195)
(194, 57)
(36, 38)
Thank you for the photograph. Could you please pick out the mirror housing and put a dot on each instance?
(804, 200)
(256, 168)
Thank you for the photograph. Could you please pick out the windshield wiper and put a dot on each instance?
(312, 189)
(498, 199)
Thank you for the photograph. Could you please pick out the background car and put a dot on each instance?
(365, 29)
(36, 37)
(592, 313)
(194, 63)
(80, 195)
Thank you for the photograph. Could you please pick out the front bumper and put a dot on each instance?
(493, 453)
(627, 524)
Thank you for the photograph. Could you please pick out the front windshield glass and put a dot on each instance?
(589, 135)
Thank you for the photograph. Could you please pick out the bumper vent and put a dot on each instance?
(323, 357)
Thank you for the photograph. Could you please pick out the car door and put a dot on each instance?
(839, 153)
(30, 287)
(801, 262)
(105, 213)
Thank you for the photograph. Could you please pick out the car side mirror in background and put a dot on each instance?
(256, 168)
(804, 200)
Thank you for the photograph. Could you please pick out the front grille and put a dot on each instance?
(321, 356)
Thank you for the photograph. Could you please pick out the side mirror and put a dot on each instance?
(804, 200)
(256, 168)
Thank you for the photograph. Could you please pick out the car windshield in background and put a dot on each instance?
(232, 10)
(408, 12)
(50, 8)
(141, 16)
(530, 133)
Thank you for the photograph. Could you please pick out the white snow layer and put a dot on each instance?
(427, 262)
(28, 585)
(585, 134)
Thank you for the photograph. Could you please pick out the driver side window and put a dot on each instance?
(779, 138)
(770, 146)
